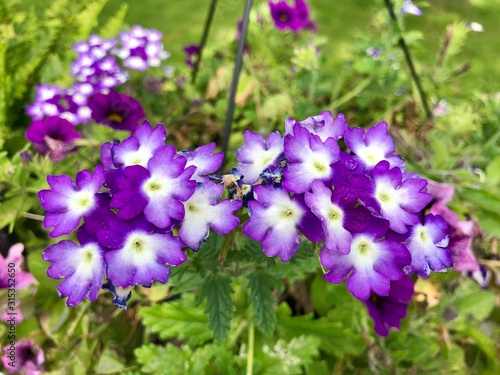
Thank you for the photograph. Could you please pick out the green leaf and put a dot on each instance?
(12, 209)
(334, 338)
(87, 19)
(114, 24)
(217, 290)
(287, 356)
(176, 320)
(482, 198)
(162, 360)
(493, 171)
(109, 362)
(483, 341)
(471, 302)
(263, 300)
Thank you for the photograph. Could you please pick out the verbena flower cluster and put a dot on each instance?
(98, 69)
(340, 187)
(130, 206)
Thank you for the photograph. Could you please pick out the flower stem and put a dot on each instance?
(204, 37)
(236, 76)
(409, 61)
(251, 344)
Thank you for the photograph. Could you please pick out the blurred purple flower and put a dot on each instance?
(410, 8)
(119, 111)
(192, 51)
(53, 136)
(23, 357)
(388, 311)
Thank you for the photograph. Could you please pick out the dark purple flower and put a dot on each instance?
(192, 51)
(388, 311)
(119, 111)
(53, 136)
(284, 16)
(24, 357)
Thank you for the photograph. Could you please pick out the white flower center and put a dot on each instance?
(81, 202)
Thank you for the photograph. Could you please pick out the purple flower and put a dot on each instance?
(65, 204)
(203, 212)
(304, 16)
(14, 260)
(120, 295)
(82, 267)
(322, 125)
(192, 51)
(257, 154)
(116, 110)
(158, 190)
(139, 147)
(141, 48)
(309, 159)
(24, 357)
(95, 65)
(460, 242)
(204, 161)
(427, 244)
(374, 146)
(392, 196)
(372, 262)
(410, 8)
(284, 16)
(138, 255)
(387, 312)
(275, 220)
(374, 52)
(53, 136)
(337, 214)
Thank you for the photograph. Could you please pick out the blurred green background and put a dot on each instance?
(341, 21)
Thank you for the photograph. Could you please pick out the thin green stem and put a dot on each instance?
(409, 61)
(204, 37)
(251, 344)
(236, 76)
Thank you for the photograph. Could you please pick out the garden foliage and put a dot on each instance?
(172, 258)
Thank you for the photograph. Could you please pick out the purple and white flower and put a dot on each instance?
(309, 159)
(276, 219)
(66, 204)
(158, 191)
(371, 264)
(374, 146)
(204, 161)
(427, 244)
(257, 154)
(82, 267)
(322, 125)
(137, 254)
(141, 48)
(392, 196)
(410, 8)
(28, 357)
(203, 212)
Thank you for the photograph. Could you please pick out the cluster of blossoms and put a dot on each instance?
(291, 18)
(371, 216)
(130, 207)
(97, 71)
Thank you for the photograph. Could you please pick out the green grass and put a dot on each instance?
(182, 23)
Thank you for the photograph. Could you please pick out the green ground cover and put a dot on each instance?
(341, 21)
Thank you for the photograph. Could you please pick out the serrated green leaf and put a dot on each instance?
(162, 360)
(263, 300)
(176, 320)
(217, 291)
